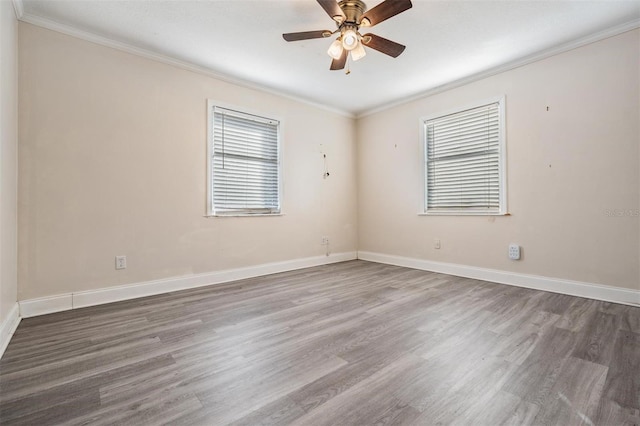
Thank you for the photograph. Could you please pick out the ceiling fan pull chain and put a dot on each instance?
(348, 71)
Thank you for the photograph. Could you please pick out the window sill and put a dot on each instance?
(209, 216)
(462, 214)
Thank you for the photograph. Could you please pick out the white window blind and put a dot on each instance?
(245, 164)
(464, 162)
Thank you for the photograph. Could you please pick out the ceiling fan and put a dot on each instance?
(350, 16)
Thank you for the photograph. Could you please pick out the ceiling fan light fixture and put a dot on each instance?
(350, 16)
(335, 50)
(350, 39)
(358, 53)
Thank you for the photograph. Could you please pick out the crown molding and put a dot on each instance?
(18, 7)
(538, 56)
(165, 59)
(128, 48)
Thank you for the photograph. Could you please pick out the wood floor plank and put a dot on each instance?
(539, 372)
(611, 413)
(575, 394)
(160, 408)
(53, 405)
(631, 319)
(503, 409)
(281, 411)
(596, 341)
(623, 380)
(351, 343)
(367, 401)
(578, 314)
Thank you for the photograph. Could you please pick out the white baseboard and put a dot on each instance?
(554, 285)
(8, 327)
(46, 305)
(81, 299)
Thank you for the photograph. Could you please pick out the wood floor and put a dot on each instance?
(354, 343)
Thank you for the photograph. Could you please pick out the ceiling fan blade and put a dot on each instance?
(383, 45)
(306, 35)
(384, 11)
(333, 10)
(338, 64)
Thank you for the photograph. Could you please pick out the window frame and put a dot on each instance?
(502, 160)
(210, 210)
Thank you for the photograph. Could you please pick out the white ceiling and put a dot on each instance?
(447, 41)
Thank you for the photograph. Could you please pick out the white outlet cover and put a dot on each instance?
(121, 262)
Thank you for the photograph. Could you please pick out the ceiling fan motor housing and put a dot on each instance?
(353, 10)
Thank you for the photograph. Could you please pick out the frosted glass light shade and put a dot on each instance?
(358, 52)
(335, 50)
(349, 40)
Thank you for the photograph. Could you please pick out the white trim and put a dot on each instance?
(538, 56)
(209, 184)
(211, 105)
(464, 213)
(462, 108)
(502, 162)
(104, 41)
(68, 301)
(504, 184)
(8, 327)
(18, 7)
(241, 213)
(45, 305)
(554, 285)
(165, 59)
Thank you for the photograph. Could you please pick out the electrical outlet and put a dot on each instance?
(436, 243)
(325, 241)
(121, 262)
(514, 252)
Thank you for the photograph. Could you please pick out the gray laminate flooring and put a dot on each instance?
(354, 343)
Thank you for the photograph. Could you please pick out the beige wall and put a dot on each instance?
(8, 158)
(566, 168)
(113, 162)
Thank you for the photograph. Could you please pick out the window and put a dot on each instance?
(464, 161)
(244, 163)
